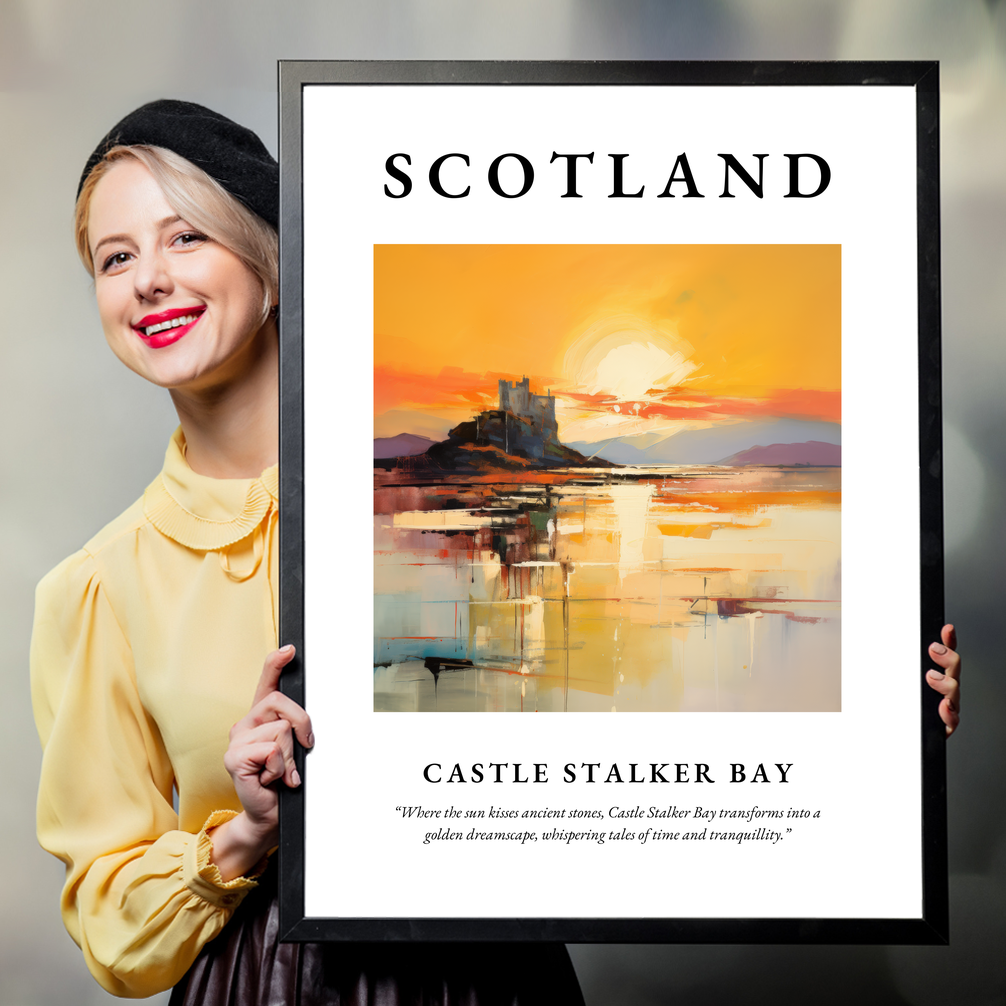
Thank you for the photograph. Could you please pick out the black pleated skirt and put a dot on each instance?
(246, 965)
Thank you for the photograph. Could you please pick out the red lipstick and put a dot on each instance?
(166, 327)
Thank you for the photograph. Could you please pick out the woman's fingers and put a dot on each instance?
(945, 654)
(947, 686)
(949, 710)
(947, 680)
(270, 703)
(258, 761)
(271, 671)
(949, 636)
(277, 735)
(261, 749)
(274, 766)
(277, 706)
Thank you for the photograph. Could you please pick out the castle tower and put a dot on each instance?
(516, 398)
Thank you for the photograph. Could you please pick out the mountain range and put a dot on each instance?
(813, 453)
(403, 445)
(713, 445)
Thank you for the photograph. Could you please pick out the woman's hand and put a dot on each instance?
(260, 753)
(948, 681)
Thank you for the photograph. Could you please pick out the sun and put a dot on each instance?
(627, 359)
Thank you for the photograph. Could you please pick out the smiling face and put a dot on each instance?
(177, 307)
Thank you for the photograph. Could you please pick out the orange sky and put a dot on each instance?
(673, 336)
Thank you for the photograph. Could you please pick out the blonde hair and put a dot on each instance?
(199, 200)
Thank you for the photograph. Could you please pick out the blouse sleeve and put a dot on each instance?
(141, 898)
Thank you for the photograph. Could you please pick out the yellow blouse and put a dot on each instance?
(147, 647)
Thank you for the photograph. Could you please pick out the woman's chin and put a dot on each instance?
(196, 365)
(172, 374)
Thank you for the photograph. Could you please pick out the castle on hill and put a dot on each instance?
(524, 425)
(517, 399)
(520, 433)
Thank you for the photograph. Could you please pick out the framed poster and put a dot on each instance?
(610, 394)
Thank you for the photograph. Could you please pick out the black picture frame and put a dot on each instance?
(931, 927)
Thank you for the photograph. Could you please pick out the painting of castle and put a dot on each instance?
(648, 519)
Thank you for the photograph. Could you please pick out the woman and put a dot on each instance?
(148, 643)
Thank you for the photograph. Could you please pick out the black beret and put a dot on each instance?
(231, 154)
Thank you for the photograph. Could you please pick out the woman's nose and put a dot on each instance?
(152, 277)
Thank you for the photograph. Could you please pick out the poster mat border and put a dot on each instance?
(933, 926)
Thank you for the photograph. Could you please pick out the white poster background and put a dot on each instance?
(859, 767)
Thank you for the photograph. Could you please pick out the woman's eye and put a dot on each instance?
(190, 238)
(114, 261)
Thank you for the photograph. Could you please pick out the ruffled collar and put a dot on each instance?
(203, 513)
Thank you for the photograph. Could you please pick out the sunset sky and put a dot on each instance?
(634, 340)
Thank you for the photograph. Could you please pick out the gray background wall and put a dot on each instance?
(82, 436)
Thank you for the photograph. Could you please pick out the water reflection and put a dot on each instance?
(661, 589)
